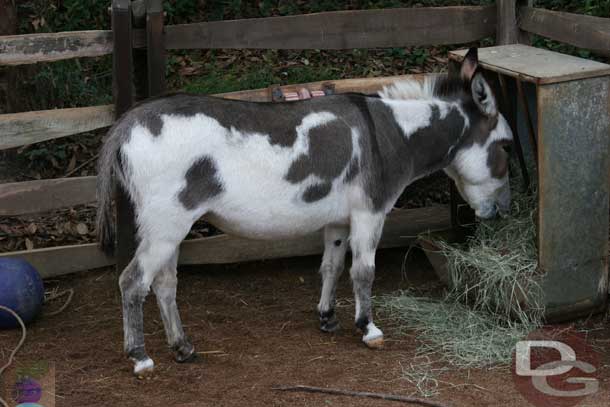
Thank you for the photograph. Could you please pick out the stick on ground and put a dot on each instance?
(339, 392)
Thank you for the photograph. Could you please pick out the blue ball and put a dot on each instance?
(21, 290)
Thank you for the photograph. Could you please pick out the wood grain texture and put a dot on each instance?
(32, 48)
(22, 198)
(362, 85)
(47, 47)
(575, 29)
(535, 65)
(507, 31)
(17, 129)
(56, 261)
(341, 29)
(402, 227)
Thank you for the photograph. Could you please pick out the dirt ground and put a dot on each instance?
(256, 326)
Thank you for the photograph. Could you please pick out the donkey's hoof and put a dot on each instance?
(329, 326)
(185, 352)
(328, 321)
(373, 337)
(144, 369)
(376, 343)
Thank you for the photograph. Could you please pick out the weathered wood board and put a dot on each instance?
(18, 129)
(576, 29)
(341, 29)
(535, 65)
(401, 228)
(47, 47)
(22, 198)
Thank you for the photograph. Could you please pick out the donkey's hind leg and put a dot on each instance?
(365, 233)
(335, 246)
(164, 286)
(135, 283)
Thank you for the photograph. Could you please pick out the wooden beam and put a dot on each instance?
(155, 47)
(122, 73)
(341, 29)
(507, 29)
(48, 47)
(57, 261)
(362, 85)
(21, 198)
(575, 29)
(402, 227)
(17, 129)
(32, 48)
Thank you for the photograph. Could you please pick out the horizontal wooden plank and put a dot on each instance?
(362, 85)
(17, 129)
(57, 261)
(48, 47)
(575, 29)
(341, 29)
(28, 197)
(536, 65)
(400, 230)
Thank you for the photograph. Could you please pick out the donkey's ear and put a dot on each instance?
(483, 95)
(470, 64)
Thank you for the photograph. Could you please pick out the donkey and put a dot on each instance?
(272, 171)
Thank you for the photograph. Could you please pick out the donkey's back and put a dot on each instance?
(258, 170)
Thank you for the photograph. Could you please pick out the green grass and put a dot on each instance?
(216, 80)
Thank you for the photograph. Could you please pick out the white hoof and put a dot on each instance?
(143, 369)
(374, 337)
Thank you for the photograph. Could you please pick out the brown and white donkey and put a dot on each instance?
(274, 171)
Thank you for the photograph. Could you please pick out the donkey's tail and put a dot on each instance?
(108, 165)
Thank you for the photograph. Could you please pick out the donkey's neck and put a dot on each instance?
(414, 138)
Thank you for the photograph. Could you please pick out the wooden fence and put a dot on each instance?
(141, 49)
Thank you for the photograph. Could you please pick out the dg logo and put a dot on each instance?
(555, 368)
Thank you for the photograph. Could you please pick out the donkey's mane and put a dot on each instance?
(440, 86)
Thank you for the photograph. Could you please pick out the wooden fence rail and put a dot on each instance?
(341, 29)
(401, 228)
(48, 47)
(575, 29)
(18, 129)
(328, 30)
(23, 198)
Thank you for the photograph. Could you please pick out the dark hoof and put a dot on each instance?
(330, 327)
(185, 352)
(328, 321)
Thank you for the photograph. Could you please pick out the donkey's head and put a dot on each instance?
(480, 164)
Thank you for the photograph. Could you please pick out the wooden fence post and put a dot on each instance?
(507, 31)
(155, 43)
(123, 99)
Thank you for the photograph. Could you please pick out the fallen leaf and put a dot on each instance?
(32, 228)
(29, 244)
(82, 229)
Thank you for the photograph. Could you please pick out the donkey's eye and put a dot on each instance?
(507, 147)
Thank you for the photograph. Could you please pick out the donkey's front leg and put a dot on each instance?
(164, 286)
(365, 233)
(333, 261)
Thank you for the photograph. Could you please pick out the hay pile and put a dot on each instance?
(494, 298)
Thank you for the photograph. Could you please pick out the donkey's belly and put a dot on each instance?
(274, 213)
